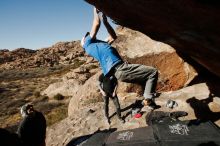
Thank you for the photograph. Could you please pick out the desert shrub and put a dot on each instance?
(93, 100)
(57, 67)
(44, 97)
(26, 93)
(78, 63)
(58, 96)
(41, 98)
(93, 66)
(46, 107)
(37, 94)
(56, 115)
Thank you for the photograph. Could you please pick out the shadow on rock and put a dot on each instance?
(202, 110)
(3, 90)
(204, 76)
(159, 116)
(136, 104)
(97, 138)
(211, 143)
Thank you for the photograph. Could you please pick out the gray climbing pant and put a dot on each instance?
(136, 73)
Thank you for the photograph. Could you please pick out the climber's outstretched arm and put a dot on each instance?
(95, 25)
(112, 35)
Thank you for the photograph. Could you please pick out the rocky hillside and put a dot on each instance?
(61, 53)
(24, 73)
(7, 56)
(61, 82)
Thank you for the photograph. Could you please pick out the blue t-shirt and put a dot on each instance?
(103, 52)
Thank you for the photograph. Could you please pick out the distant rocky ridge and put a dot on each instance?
(7, 56)
(60, 53)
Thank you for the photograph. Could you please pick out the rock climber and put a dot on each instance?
(113, 65)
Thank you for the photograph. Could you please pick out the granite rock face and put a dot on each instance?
(190, 26)
(137, 48)
(194, 100)
(70, 84)
(134, 47)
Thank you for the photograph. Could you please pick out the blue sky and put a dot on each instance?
(35, 24)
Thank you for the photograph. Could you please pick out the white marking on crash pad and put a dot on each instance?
(125, 135)
(179, 129)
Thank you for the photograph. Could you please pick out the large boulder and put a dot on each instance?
(86, 94)
(190, 26)
(136, 47)
(70, 83)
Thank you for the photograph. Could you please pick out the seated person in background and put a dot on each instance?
(32, 129)
(108, 87)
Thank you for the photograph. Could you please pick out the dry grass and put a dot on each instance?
(12, 120)
(18, 87)
(39, 72)
(56, 115)
(37, 94)
(93, 100)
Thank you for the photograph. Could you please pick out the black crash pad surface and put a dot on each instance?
(168, 133)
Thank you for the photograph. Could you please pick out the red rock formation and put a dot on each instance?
(190, 26)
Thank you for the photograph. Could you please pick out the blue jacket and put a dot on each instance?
(103, 52)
